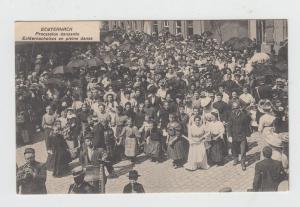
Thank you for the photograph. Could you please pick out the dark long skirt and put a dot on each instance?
(177, 151)
(217, 151)
(153, 149)
(60, 157)
(47, 132)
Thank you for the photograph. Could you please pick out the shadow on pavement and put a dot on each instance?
(141, 158)
(122, 170)
(35, 137)
(251, 145)
(252, 158)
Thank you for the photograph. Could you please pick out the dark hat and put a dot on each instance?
(267, 152)
(180, 73)
(29, 150)
(215, 114)
(133, 174)
(77, 171)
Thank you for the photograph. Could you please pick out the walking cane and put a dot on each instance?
(101, 177)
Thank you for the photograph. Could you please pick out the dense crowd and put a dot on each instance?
(194, 101)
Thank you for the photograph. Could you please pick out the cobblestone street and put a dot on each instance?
(162, 177)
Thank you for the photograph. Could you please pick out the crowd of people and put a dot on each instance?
(194, 101)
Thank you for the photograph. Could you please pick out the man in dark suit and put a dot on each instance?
(80, 186)
(90, 155)
(229, 84)
(154, 100)
(98, 133)
(133, 186)
(238, 131)
(268, 173)
(31, 177)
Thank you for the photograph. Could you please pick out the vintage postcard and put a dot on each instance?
(151, 106)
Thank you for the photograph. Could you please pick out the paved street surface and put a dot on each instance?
(162, 177)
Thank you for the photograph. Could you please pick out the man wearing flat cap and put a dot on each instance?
(133, 186)
(31, 177)
(268, 173)
(80, 186)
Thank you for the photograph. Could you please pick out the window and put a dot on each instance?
(166, 25)
(129, 25)
(178, 27)
(261, 31)
(105, 25)
(155, 27)
(115, 24)
(190, 29)
(122, 25)
(135, 25)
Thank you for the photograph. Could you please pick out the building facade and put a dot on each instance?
(267, 33)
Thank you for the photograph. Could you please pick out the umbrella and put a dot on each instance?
(61, 70)
(239, 43)
(263, 70)
(282, 66)
(55, 82)
(77, 63)
(207, 33)
(93, 62)
(259, 58)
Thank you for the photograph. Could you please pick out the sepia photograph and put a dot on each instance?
(152, 106)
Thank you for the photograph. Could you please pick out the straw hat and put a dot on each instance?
(205, 101)
(109, 93)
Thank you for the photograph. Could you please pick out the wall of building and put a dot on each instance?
(225, 29)
(268, 33)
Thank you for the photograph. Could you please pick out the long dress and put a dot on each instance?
(265, 126)
(154, 147)
(60, 157)
(217, 150)
(47, 123)
(270, 138)
(132, 135)
(197, 157)
(176, 151)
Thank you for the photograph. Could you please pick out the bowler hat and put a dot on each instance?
(77, 171)
(133, 174)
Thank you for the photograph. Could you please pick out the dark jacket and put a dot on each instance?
(223, 109)
(84, 188)
(30, 185)
(268, 174)
(95, 159)
(137, 188)
(239, 126)
(155, 102)
(263, 92)
(98, 138)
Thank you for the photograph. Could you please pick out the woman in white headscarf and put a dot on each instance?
(197, 157)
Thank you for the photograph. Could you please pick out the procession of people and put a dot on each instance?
(194, 101)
